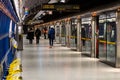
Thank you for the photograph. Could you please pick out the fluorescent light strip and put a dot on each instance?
(16, 3)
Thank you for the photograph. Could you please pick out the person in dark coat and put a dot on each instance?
(45, 32)
(30, 35)
(51, 35)
(83, 35)
(75, 32)
(37, 35)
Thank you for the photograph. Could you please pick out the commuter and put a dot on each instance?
(83, 35)
(45, 32)
(37, 35)
(75, 32)
(51, 35)
(30, 35)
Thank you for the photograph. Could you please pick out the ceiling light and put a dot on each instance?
(16, 3)
(50, 12)
(44, 14)
(63, 1)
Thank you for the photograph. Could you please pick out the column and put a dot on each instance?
(66, 26)
(94, 36)
(60, 32)
(67, 32)
(20, 36)
(55, 32)
(118, 39)
(79, 46)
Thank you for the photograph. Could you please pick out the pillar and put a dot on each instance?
(79, 46)
(94, 36)
(60, 32)
(20, 37)
(118, 39)
(67, 33)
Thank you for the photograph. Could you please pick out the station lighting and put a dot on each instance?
(63, 1)
(44, 14)
(78, 16)
(118, 9)
(50, 12)
(16, 3)
(94, 14)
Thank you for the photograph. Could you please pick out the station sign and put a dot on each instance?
(61, 7)
(26, 11)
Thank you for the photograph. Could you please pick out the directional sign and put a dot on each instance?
(61, 7)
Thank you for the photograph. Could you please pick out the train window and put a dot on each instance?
(102, 31)
(87, 30)
(111, 15)
(73, 27)
(102, 27)
(107, 26)
(102, 17)
(57, 31)
(63, 30)
(86, 22)
(111, 29)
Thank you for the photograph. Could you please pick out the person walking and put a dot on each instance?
(37, 35)
(30, 35)
(45, 32)
(83, 35)
(51, 35)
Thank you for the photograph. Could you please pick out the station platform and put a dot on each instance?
(61, 63)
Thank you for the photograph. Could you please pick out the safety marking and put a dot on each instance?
(107, 42)
(87, 39)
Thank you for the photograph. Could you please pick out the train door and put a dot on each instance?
(73, 36)
(107, 37)
(102, 38)
(111, 39)
(86, 34)
(63, 34)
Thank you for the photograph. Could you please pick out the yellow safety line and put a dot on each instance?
(73, 37)
(63, 35)
(102, 41)
(86, 39)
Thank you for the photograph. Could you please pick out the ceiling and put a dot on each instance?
(34, 7)
(33, 3)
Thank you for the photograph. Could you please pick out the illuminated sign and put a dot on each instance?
(62, 7)
(26, 11)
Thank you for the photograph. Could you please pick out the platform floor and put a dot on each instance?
(60, 63)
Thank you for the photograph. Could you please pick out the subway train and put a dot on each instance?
(8, 36)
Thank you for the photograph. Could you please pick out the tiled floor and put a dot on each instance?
(60, 63)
